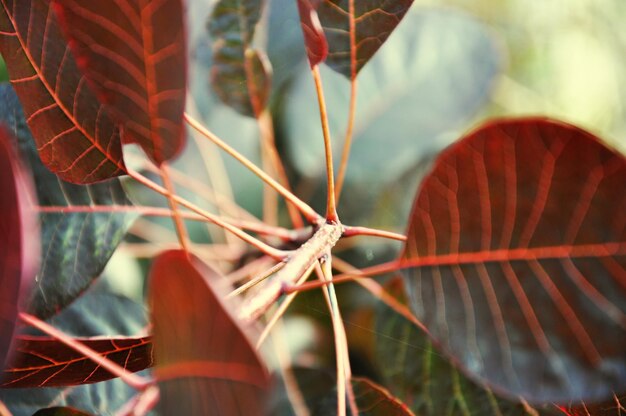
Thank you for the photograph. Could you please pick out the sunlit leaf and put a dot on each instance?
(374, 21)
(75, 246)
(314, 39)
(205, 363)
(19, 245)
(414, 371)
(431, 77)
(97, 313)
(517, 243)
(134, 55)
(240, 75)
(75, 137)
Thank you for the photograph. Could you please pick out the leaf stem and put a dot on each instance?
(352, 231)
(254, 226)
(344, 372)
(331, 206)
(357, 274)
(267, 135)
(347, 144)
(179, 225)
(383, 295)
(263, 247)
(221, 202)
(282, 308)
(296, 265)
(133, 380)
(256, 280)
(308, 212)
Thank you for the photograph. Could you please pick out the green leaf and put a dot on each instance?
(374, 22)
(428, 383)
(241, 75)
(75, 246)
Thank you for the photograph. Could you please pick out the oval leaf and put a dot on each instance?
(78, 245)
(205, 363)
(240, 75)
(133, 53)
(374, 21)
(75, 137)
(424, 379)
(314, 39)
(47, 362)
(98, 313)
(19, 248)
(516, 252)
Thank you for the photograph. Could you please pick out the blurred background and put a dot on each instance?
(450, 65)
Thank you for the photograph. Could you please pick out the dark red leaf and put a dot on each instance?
(205, 363)
(19, 241)
(314, 39)
(517, 243)
(374, 400)
(133, 53)
(75, 137)
(373, 22)
(60, 411)
(46, 362)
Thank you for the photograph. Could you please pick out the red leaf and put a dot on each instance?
(374, 21)
(47, 362)
(314, 38)
(19, 245)
(74, 136)
(133, 53)
(518, 245)
(375, 400)
(60, 411)
(205, 363)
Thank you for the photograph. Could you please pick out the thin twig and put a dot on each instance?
(220, 184)
(179, 225)
(309, 213)
(133, 380)
(249, 269)
(344, 371)
(141, 403)
(267, 134)
(256, 280)
(297, 263)
(353, 231)
(280, 311)
(379, 292)
(347, 144)
(263, 247)
(331, 206)
(226, 205)
(364, 273)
